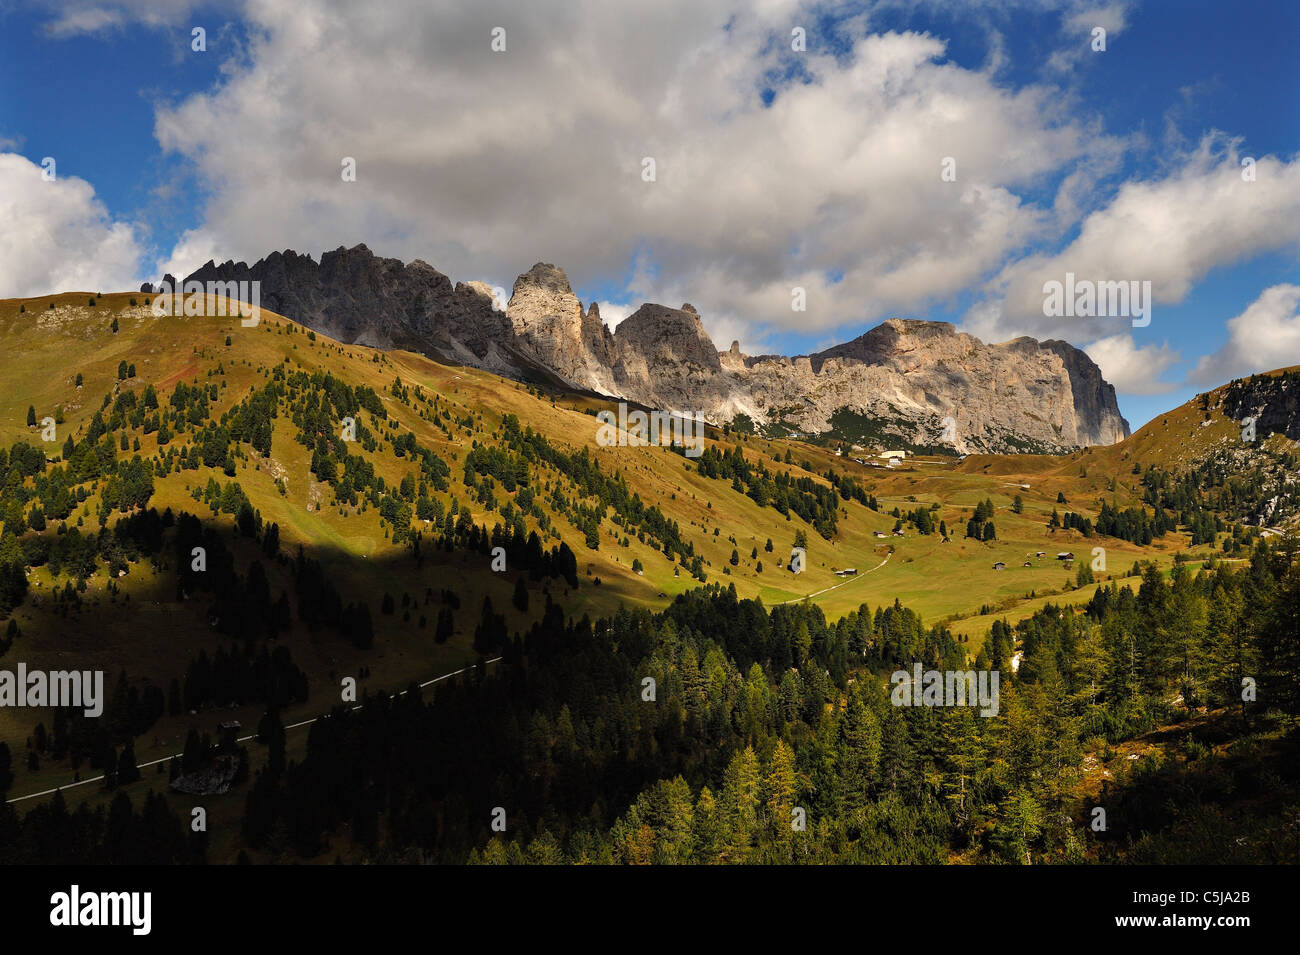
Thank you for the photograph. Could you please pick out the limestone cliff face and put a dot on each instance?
(1099, 420)
(665, 354)
(550, 327)
(910, 375)
(902, 378)
(355, 296)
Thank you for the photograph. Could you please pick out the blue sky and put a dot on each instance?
(777, 168)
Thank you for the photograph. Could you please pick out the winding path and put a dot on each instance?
(838, 586)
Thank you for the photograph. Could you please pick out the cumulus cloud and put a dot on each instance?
(775, 171)
(1170, 231)
(483, 163)
(1133, 369)
(58, 236)
(1264, 337)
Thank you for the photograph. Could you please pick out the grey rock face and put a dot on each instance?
(1094, 398)
(213, 779)
(549, 326)
(665, 355)
(357, 297)
(1272, 401)
(904, 376)
(907, 376)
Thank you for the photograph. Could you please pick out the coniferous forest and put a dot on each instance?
(760, 714)
(719, 731)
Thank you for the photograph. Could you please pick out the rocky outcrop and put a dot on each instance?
(551, 329)
(1096, 410)
(664, 354)
(211, 780)
(896, 382)
(1271, 402)
(901, 379)
(357, 297)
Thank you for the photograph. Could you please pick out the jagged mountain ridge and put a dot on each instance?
(897, 382)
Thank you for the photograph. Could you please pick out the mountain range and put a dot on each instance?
(895, 384)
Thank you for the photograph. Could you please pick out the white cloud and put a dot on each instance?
(58, 237)
(77, 17)
(1170, 232)
(1133, 369)
(1078, 26)
(195, 247)
(483, 163)
(1264, 337)
(612, 314)
(1110, 17)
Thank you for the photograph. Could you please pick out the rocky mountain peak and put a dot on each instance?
(904, 375)
(1095, 406)
(542, 301)
(894, 339)
(545, 276)
(355, 296)
(551, 328)
(668, 333)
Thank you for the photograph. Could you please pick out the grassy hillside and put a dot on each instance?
(643, 524)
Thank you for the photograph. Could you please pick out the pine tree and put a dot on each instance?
(6, 771)
(1279, 643)
(963, 756)
(739, 803)
(1023, 822)
(780, 790)
(897, 754)
(127, 771)
(859, 750)
(706, 829)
